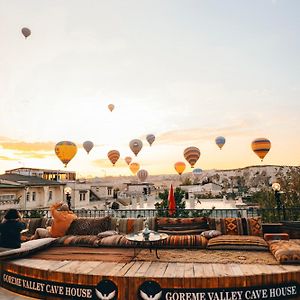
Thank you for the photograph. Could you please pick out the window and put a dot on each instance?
(109, 191)
(50, 196)
(27, 197)
(7, 197)
(82, 196)
(33, 196)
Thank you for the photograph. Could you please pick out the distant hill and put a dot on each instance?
(252, 176)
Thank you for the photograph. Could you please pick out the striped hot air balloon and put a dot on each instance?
(220, 141)
(179, 167)
(26, 32)
(111, 107)
(113, 156)
(150, 138)
(142, 175)
(136, 146)
(261, 147)
(191, 154)
(128, 160)
(65, 151)
(134, 167)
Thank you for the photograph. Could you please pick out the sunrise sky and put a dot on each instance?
(186, 71)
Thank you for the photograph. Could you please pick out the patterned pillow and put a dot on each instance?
(286, 252)
(211, 234)
(107, 233)
(232, 226)
(252, 226)
(237, 242)
(89, 226)
(177, 226)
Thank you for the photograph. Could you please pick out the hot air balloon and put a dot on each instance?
(136, 146)
(220, 141)
(261, 147)
(150, 138)
(128, 160)
(26, 32)
(134, 167)
(142, 175)
(65, 151)
(111, 107)
(197, 172)
(88, 146)
(113, 156)
(179, 167)
(191, 154)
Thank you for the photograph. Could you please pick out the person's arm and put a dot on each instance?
(54, 208)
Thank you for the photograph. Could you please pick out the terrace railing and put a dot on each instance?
(267, 215)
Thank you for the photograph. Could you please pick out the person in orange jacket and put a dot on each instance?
(62, 218)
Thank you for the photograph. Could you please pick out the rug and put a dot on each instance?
(208, 256)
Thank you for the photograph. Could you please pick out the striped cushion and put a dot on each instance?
(232, 226)
(237, 242)
(184, 241)
(177, 226)
(127, 225)
(78, 240)
(286, 252)
(89, 226)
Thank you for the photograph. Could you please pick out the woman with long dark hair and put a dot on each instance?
(10, 229)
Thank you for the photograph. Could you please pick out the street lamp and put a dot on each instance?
(67, 191)
(276, 189)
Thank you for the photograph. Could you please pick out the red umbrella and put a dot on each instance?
(171, 199)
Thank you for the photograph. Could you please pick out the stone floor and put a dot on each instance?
(8, 295)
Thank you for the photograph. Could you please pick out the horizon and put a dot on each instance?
(185, 72)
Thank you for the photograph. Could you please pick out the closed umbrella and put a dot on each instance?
(171, 200)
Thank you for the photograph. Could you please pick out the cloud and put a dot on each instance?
(7, 158)
(34, 155)
(28, 147)
(105, 163)
(197, 135)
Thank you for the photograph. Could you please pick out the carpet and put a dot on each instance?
(208, 256)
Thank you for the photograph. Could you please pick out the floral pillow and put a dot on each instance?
(209, 234)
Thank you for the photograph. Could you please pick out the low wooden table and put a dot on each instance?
(152, 242)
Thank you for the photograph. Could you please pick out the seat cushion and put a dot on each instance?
(89, 226)
(78, 240)
(237, 242)
(26, 248)
(184, 241)
(286, 252)
(182, 226)
(276, 236)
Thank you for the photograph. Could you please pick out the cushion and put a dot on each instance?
(252, 226)
(231, 226)
(276, 236)
(115, 241)
(286, 252)
(26, 248)
(32, 224)
(107, 233)
(78, 240)
(89, 226)
(237, 242)
(211, 234)
(184, 241)
(127, 225)
(177, 226)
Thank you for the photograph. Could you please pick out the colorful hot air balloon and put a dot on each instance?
(128, 160)
(88, 146)
(26, 32)
(111, 107)
(220, 141)
(261, 147)
(197, 172)
(134, 167)
(191, 154)
(179, 167)
(65, 151)
(150, 138)
(113, 156)
(136, 146)
(142, 175)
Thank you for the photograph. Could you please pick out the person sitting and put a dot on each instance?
(10, 229)
(62, 218)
